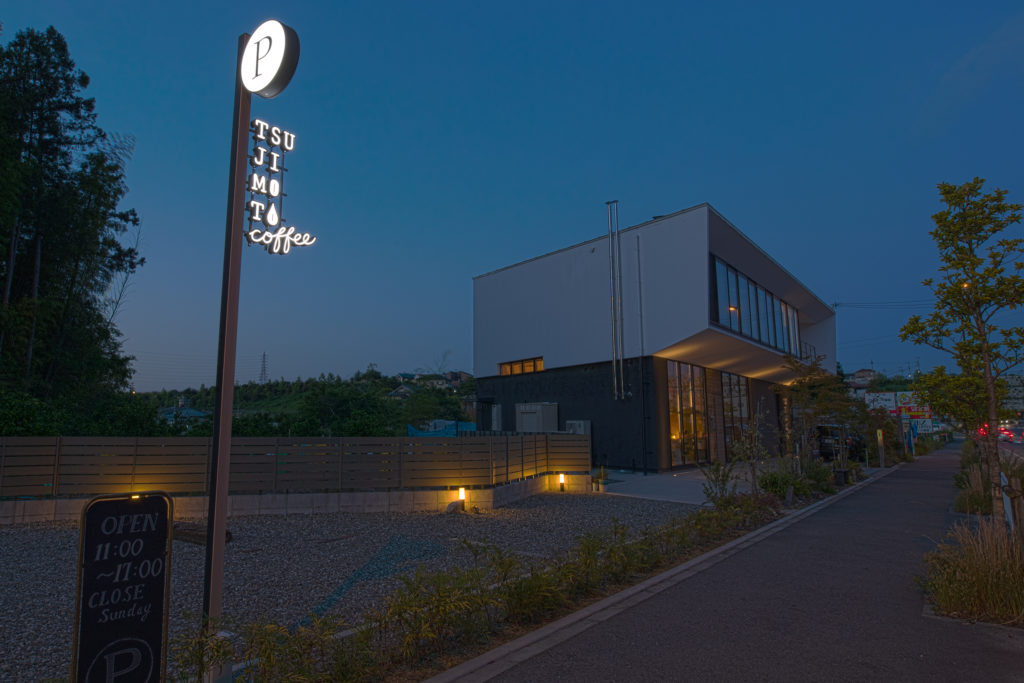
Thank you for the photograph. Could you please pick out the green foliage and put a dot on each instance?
(883, 383)
(718, 480)
(981, 280)
(960, 396)
(816, 397)
(925, 444)
(972, 480)
(441, 613)
(107, 414)
(324, 406)
(197, 649)
(66, 248)
(819, 475)
(750, 445)
(978, 574)
(973, 497)
(777, 483)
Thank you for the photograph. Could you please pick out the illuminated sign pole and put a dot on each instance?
(265, 65)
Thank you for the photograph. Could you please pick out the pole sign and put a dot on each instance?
(124, 558)
(267, 66)
(265, 63)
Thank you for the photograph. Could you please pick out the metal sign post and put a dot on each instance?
(226, 346)
(265, 64)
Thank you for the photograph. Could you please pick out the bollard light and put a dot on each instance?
(561, 482)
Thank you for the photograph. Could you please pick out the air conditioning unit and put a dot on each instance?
(536, 417)
(577, 426)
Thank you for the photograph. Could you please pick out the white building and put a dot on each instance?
(707, 319)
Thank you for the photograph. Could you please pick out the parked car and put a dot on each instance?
(830, 436)
(1003, 433)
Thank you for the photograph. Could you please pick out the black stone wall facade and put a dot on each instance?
(630, 433)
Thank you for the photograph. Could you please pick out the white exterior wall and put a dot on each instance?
(558, 306)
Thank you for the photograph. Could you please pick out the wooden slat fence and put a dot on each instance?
(86, 466)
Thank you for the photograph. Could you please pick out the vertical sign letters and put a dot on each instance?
(124, 556)
(266, 191)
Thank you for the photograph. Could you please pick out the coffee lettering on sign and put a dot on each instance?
(265, 185)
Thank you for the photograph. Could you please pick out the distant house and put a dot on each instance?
(401, 392)
(861, 379)
(456, 378)
(182, 414)
(1014, 394)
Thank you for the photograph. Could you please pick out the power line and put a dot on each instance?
(903, 305)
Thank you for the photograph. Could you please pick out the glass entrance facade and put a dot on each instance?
(687, 413)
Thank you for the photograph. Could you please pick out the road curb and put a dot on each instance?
(504, 657)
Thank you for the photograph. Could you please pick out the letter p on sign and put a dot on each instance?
(269, 59)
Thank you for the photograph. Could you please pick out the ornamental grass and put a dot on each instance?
(977, 574)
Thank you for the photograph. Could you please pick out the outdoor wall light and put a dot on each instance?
(561, 482)
(462, 493)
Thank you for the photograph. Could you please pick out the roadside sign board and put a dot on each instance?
(905, 404)
(124, 557)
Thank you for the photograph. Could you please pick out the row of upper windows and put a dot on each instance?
(746, 307)
(520, 367)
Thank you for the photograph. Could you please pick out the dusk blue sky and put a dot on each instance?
(437, 141)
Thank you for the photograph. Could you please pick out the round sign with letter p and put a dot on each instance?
(269, 59)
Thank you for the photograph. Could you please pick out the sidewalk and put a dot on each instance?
(826, 593)
(684, 486)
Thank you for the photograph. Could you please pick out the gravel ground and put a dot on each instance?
(283, 567)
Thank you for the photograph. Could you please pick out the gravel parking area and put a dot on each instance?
(283, 567)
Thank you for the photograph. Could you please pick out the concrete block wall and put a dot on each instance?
(192, 507)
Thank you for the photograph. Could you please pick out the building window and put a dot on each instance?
(521, 367)
(735, 405)
(687, 412)
(748, 309)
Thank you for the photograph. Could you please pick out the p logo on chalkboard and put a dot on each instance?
(124, 558)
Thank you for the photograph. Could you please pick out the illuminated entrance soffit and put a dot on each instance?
(719, 350)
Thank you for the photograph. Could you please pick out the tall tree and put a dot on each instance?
(61, 227)
(815, 397)
(980, 281)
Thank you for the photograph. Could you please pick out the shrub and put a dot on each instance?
(977, 574)
(1012, 467)
(926, 444)
(819, 474)
(718, 483)
(434, 614)
(195, 650)
(975, 495)
(754, 508)
(777, 482)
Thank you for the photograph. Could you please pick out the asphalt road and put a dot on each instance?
(830, 597)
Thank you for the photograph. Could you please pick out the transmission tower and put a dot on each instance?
(263, 368)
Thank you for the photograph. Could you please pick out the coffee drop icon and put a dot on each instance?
(272, 218)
